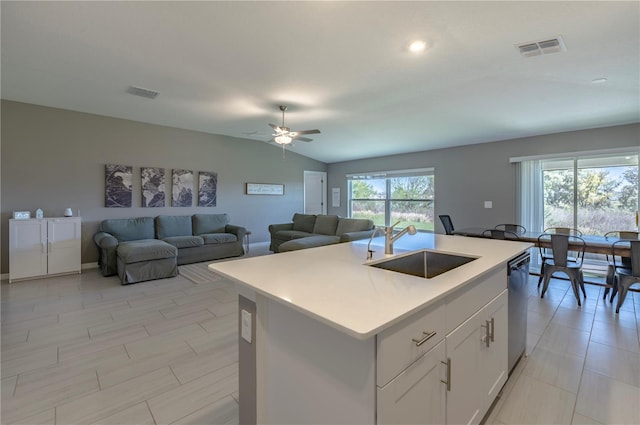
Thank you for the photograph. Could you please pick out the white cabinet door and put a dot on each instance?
(478, 362)
(463, 350)
(494, 359)
(27, 248)
(417, 395)
(63, 236)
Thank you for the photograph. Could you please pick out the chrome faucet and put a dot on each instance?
(390, 238)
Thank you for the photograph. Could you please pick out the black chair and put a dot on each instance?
(625, 275)
(447, 223)
(514, 228)
(545, 254)
(561, 261)
(500, 234)
(624, 262)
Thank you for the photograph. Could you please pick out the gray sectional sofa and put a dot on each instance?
(309, 230)
(146, 248)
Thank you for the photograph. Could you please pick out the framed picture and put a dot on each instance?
(207, 186)
(264, 189)
(21, 215)
(152, 180)
(118, 185)
(182, 190)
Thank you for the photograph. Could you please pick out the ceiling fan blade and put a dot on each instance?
(307, 132)
(275, 127)
(302, 139)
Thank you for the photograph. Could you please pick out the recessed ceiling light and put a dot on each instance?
(598, 81)
(417, 46)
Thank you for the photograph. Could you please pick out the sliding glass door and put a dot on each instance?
(592, 194)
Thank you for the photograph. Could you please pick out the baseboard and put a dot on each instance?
(84, 266)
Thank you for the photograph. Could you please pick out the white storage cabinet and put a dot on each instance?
(43, 247)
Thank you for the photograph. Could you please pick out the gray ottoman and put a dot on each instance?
(146, 259)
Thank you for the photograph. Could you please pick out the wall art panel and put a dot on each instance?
(118, 185)
(182, 189)
(152, 180)
(207, 186)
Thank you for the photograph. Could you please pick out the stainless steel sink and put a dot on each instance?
(423, 263)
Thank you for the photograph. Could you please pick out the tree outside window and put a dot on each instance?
(408, 199)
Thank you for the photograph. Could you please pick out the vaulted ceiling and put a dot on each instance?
(341, 67)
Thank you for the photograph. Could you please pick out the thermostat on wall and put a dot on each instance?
(21, 215)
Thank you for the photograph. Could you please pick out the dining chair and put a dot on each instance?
(563, 231)
(624, 262)
(545, 254)
(514, 228)
(447, 223)
(626, 276)
(561, 261)
(500, 234)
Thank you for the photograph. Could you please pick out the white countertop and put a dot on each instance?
(334, 285)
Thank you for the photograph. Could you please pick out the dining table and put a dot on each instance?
(593, 243)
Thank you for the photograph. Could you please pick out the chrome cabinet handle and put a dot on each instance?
(448, 381)
(493, 327)
(428, 336)
(487, 334)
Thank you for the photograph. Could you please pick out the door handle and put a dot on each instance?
(448, 381)
(493, 327)
(487, 332)
(428, 336)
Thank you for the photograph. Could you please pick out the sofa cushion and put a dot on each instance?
(129, 229)
(145, 250)
(304, 222)
(287, 235)
(346, 225)
(213, 238)
(184, 241)
(173, 225)
(209, 223)
(309, 242)
(326, 225)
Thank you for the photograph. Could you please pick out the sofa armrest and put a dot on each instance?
(354, 236)
(273, 228)
(239, 231)
(105, 240)
(107, 252)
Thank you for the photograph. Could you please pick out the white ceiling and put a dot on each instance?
(342, 67)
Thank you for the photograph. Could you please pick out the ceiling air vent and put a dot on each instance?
(138, 91)
(536, 48)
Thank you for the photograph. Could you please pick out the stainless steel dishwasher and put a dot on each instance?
(518, 277)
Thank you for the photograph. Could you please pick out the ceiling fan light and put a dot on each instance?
(283, 139)
(417, 46)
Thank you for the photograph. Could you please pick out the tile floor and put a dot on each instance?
(83, 349)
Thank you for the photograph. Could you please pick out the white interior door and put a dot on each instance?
(315, 192)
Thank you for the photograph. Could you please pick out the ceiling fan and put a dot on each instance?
(285, 136)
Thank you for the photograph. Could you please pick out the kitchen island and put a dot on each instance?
(326, 338)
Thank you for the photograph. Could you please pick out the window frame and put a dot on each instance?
(387, 200)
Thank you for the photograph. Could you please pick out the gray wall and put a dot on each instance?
(467, 176)
(54, 158)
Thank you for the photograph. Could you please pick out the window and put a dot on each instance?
(594, 193)
(393, 196)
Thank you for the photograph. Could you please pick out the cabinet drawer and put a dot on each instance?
(463, 303)
(397, 348)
